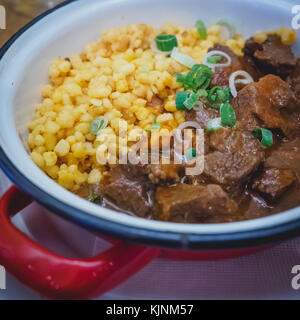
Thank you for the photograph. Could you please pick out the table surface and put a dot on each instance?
(20, 12)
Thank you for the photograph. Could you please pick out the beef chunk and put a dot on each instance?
(202, 116)
(286, 156)
(128, 191)
(237, 155)
(222, 74)
(260, 104)
(274, 182)
(294, 81)
(166, 173)
(193, 203)
(271, 56)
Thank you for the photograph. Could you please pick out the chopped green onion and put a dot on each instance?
(214, 124)
(265, 136)
(218, 96)
(202, 93)
(180, 77)
(211, 96)
(214, 59)
(144, 69)
(166, 42)
(201, 29)
(182, 58)
(191, 100)
(155, 125)
(228, 117)
(198, 78)
(98, 125)
(190, 154)
(181, 97)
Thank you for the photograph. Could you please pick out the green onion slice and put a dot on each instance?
(181, 97)
(214, 124)
(265, 136)
(182, 58)
(166, 42)
(200, 26)
(144, 69)
(180, 77)
(191, 100)
(98, 125)
(155, 125)
(198, 78)
(228, 117)
(214, 59)
(218, 96)
(190, 154)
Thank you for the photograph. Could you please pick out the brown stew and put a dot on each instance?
(242, 179)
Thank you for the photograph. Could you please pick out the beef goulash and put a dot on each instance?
(247, 100)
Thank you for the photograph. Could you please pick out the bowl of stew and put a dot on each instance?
(79, 76)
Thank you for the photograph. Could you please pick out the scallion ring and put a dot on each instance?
(214, 124)
(155, 126)
(182, 58)
(190, 154)
(228, 117)
(181, 97)
(228, 30)
(217, 53)
(98, 125)
(166, 42)
(265, 136)
(200, 26)
(214, 59)
(233, 80)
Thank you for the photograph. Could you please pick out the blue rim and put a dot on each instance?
(139, 235)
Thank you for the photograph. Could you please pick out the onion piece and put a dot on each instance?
(184, 125)
(233, 80)
(198, 106)
(217, 53)
(157, 51)
(228, 30)
(183, 58)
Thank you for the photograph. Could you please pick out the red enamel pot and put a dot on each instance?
(58, 277)
(24, 62)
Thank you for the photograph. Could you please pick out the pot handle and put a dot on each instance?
(58, 277)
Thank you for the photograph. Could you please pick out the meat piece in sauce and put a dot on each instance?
(260, 103)
(237, 154)
(202, 116)
(274, 182)
(190, 203)
(294, 81)
(271, 56)
(222, 74)
(128, 191)
(166, 173)
(285, 156)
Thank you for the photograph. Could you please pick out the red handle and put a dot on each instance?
(58, 277)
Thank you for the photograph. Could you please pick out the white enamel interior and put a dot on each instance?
(64, 32)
